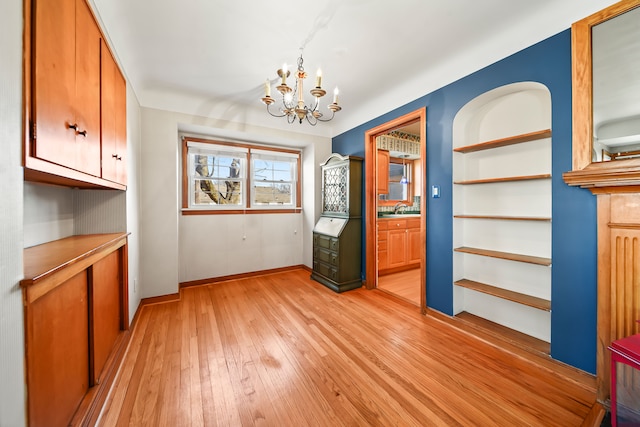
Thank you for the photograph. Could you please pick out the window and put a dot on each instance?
(223, 177)
(400, 183)
(273, 178)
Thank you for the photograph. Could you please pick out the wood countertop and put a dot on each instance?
(50, 264)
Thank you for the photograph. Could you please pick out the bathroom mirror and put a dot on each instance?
(606, 97)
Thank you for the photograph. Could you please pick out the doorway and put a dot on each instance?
(400, 253)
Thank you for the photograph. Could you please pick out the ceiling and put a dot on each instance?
(211, 57)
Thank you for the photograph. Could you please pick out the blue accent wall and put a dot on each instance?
(574, 248)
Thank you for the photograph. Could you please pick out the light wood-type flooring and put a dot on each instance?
(405, 285)
(283, 350)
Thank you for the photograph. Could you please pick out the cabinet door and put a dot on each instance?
(414, 245)
(106, 313)
(121, 127)
(54, 79)
(108, 115)
(114, 130)
(58, 353)
(383, 250)
(66, 88)
(87, 105)
(382, 172)
(397, 246)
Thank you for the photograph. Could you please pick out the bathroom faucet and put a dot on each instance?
(399, 206)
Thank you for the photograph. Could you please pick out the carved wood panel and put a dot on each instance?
(625, 306)
(618, 280)
(625, 289)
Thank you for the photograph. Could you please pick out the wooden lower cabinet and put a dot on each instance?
(383, 246)
(414, 245)
(106, 310)
(58, 353)
(76, 322)
(399, 245)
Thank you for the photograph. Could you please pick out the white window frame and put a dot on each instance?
(216, 150)
(192, 146)
(278, 156)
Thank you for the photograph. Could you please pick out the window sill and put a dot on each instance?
(186, 211)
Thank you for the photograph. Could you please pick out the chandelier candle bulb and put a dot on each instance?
(300, 94)
(319, 78)
(267, 89)
(284, 74)
(335, 95)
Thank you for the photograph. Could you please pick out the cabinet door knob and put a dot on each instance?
(82, 132)
(73, 126)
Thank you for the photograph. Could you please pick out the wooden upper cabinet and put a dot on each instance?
(114, 117)
(87, 116)
(54, 80)
(383, 172)
(67, 85)
(63, 64)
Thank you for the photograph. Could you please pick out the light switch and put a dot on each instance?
(435, 191)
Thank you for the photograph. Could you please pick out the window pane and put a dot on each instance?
(216, 180)
(397, 191)
(217, 192)
(396, 172)
(271, 170)
(272, 193)
(217, 166)
(273, 180)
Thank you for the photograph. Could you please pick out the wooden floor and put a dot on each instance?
(282, 350)
(405, 285)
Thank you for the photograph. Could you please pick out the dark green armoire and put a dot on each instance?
(337, 236)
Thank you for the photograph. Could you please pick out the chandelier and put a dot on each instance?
(293, 105)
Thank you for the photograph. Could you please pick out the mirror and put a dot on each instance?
(605, 127)
(616, 87)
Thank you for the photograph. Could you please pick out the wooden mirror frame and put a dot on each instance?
(584, 173)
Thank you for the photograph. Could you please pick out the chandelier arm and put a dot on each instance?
(311, 122)
(316, 104)
(329, 119)
(274, 115)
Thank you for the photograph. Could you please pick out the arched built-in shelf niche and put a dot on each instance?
(502, 213)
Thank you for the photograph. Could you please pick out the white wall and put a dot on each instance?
(176, 248)
(12, 391)
(134, 141)
(48, 213)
